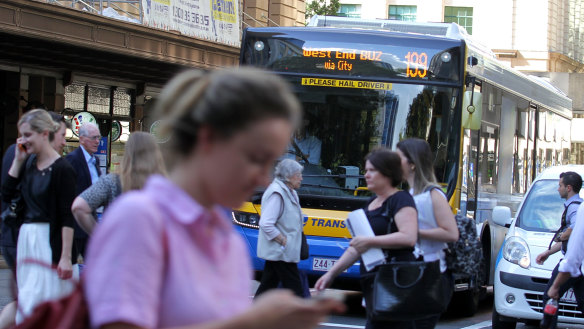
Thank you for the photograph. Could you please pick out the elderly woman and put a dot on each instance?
(280, 235)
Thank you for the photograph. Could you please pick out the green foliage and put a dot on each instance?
(320, 7)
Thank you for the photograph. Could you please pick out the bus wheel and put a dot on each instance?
(498, 323)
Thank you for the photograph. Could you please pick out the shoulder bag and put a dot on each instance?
(406, 290)
(12, 216)
(304, 254)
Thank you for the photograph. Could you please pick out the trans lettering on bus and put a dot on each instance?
(330, 227)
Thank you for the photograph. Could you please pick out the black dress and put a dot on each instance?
(48, 195)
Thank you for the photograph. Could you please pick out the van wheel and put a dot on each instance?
(498, 323)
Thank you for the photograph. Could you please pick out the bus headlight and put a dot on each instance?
(446, 57)
(516, 251)
(259, 45)
(246, 219)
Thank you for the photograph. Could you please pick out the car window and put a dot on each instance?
(543, 207)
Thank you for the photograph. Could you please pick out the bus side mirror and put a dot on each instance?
(472, 110)
(502, 216)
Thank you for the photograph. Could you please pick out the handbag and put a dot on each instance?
(304, 253)
(69, 312)
(12, 216)
(407, 290)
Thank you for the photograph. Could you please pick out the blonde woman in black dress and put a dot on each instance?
(47, 185)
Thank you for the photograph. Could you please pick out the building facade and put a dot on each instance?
(87, 60)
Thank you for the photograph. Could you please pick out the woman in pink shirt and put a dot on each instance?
(166, 256)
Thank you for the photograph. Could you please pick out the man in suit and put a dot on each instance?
(86, 166)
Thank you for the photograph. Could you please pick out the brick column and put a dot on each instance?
(287, 12)
(255, 11)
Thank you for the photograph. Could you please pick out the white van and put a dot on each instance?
(519, 282)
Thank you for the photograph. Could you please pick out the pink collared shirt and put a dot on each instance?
(160, 260)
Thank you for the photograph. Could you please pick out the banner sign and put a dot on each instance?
(346, 84)
(214, 20)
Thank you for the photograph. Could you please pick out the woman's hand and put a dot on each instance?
(281, 309)
(281, 239)
(20, 156)
(324, 281)
(20, 151)
(361, 243)
(65, 269)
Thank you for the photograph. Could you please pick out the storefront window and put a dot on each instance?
(110, 108)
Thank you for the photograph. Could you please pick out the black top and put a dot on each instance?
(379, 219)
(48, 195)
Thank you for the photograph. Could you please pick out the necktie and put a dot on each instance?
(95, 162)
(97, 165)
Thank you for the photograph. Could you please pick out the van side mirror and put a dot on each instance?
(502, 216)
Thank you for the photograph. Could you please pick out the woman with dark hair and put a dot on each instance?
(383, 173)
(166, 256)
(46, 236)
(436, 222)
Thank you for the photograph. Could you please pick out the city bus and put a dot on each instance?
(369, 84)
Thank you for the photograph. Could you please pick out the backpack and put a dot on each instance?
(465, 256)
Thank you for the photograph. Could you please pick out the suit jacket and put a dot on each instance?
(77, 160)
(7, 239)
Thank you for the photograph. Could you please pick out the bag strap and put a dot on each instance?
(390, 218)
(563, 224)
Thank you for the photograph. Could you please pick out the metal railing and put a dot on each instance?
(129, 8)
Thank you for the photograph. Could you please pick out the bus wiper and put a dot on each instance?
(336, 176)
(327, 186)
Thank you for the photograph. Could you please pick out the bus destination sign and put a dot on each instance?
(346, 59)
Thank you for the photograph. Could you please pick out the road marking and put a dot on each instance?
(483, 324)
(327, 324)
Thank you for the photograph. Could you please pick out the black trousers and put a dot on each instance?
(276, 272)
(9, 254)
(81, 245)
(575, 283)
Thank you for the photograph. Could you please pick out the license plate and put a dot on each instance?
(569, 297)
(323, 264)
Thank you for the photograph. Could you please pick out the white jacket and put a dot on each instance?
(290, 224)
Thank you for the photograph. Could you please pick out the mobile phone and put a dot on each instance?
(337, 295)
(22, 147)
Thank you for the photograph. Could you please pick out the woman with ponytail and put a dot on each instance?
(166, 256)
(436, 222)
